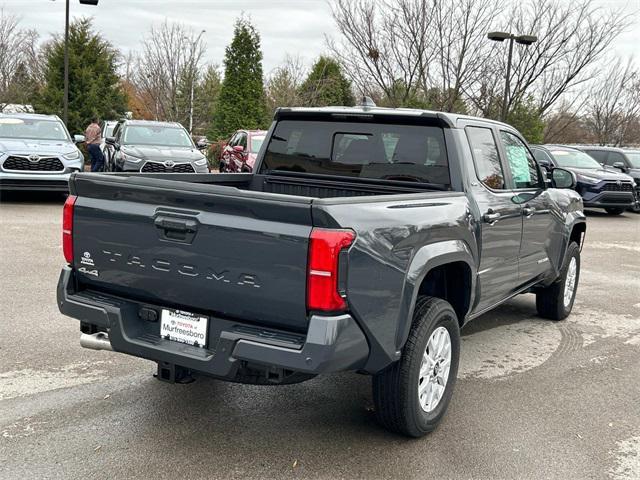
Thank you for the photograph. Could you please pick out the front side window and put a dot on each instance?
(108, 129)
(615, 157)
(541, 156)
(406, 153)
(30, 128)
(242, 140)
(522, 164)
(634, 159)
(486, 158)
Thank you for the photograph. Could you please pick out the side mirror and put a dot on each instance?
(620, 166)
(561, 178)
(238, 148)
(78, 139)
(110, 141)
(202, 144)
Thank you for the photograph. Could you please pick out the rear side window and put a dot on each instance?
(523, 167)
(485, 156)
(410, 153)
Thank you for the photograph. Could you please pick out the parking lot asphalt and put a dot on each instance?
(534, 399)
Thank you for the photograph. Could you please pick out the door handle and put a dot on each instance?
(176, 229)
(491, 217)
(528, 211)
(176, 224)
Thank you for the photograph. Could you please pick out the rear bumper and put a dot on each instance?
(34, 181)
(609, 199)
(331, 344)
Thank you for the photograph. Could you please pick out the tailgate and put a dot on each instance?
(204, 248)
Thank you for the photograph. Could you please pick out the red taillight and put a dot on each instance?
(67, 228)
(322, 270)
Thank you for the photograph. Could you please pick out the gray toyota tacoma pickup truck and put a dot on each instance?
(363, 241)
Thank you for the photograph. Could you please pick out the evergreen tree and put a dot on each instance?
(94, 85)
(208, 96)
(242, 99)
(525, 117)
(326, 85)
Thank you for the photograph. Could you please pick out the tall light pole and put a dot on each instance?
(193, 68)
(65, 98)
(521, 39)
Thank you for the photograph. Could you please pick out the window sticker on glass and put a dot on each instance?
(519, 163)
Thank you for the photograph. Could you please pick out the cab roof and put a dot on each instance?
(450, 119)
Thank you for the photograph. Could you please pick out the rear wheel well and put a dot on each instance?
(450, 282)
(577, 234)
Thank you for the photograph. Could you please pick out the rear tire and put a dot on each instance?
(614, 211)
(409, 396)
(556, 301)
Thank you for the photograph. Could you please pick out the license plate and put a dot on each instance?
(184, 327)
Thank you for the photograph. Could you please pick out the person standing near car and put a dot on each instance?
(93, 138)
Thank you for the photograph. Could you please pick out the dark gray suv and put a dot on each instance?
(625, 160)
(152, 147)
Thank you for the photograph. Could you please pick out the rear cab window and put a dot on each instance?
(367, 150)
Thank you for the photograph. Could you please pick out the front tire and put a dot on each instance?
(412, 395)
(614, 211)
(556, 301)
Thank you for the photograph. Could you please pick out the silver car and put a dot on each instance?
(37, 152)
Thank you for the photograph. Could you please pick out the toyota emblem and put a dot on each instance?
(34, 158)
(169, 163)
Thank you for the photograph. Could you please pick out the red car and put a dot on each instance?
(239, 155)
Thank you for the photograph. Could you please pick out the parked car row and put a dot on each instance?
(601, 185)
(37, 152)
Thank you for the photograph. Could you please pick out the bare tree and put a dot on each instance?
(18, 58)
(437, 52)
(169, 54)
(572, 36)
(384, 45)
(461, 54)
(283, 84)
(613, 106)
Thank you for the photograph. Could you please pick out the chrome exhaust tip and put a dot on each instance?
(96, 341)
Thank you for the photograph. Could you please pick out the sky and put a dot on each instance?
(295, 27)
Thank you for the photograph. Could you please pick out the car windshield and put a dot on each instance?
(36, 129)
(256, 143)
(157, 135)
(634, 158)
(574, 158)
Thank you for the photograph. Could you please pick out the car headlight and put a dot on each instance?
(130, 158)
(201, 162)
(587, 179)
(72, 156)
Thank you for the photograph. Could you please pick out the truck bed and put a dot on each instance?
(312, 186)
(233, 244)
